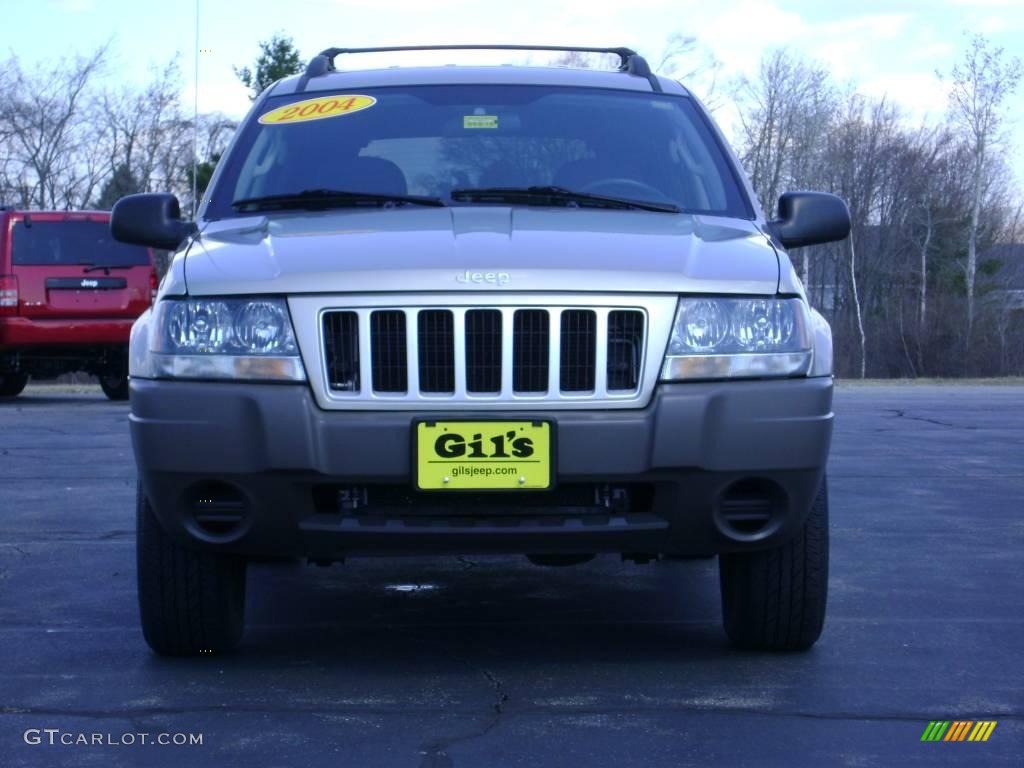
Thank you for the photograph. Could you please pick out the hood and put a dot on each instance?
(480, 248)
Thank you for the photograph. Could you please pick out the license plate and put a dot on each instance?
(483, 455)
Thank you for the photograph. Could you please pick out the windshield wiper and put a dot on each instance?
(90, 267)
(555, 195)
(332, 198)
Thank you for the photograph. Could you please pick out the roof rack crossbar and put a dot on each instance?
(629, 60)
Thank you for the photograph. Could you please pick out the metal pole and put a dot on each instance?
(195, 127)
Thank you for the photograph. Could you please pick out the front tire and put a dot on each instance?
(190, 602)
(12, 384)
(774, 600)
(115, 387)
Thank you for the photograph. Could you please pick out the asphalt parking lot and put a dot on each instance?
(495, 662)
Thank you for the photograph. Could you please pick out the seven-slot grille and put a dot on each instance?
(549, 353)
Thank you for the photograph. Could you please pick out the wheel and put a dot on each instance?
(115, 387)
(190, 602)
(774, 600)
(11, 384)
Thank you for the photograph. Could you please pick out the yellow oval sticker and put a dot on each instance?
(317, 109)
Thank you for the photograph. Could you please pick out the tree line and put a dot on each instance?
(924, 285)
(69, 142)
(910, 292)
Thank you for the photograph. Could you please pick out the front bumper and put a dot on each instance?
(284, 462)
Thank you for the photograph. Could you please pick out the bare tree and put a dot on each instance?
(980, 85)
(8, 185)
(140, 123)
(859, 153)
(44, 115)
(918, 216)
(784, 114)
(856, 304)
(686, 60)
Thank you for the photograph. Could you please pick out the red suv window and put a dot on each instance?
(73, 242)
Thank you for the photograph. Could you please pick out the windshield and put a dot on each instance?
(40, 243)
(432, 140)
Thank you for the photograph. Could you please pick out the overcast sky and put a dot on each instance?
(888, 48)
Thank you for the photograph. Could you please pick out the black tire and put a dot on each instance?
(774, 600)
(115, 387)
(190, 602)
(12, 384)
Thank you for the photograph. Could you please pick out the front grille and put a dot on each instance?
(483, 350)
(530, 350)
(341, 349)
(481, 354)
(388, 351)
(625, 349)
(436, 351)
(579, 349)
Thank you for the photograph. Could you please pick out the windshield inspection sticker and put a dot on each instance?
(480, 121)
(317, 109)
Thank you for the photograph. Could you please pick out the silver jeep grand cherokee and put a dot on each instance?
(480, 310)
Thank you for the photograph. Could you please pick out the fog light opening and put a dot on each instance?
(218, 509)
(750, 507)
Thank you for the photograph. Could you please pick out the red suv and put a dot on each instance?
(69, 294)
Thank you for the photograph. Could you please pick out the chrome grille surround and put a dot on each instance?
(657, 311)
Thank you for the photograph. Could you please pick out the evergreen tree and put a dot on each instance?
(278, 58)
(120, 183)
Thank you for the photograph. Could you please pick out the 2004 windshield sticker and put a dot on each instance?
(317, 109)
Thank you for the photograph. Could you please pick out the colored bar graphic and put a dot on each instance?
(958, 730)
(935, 730)
(963, 730)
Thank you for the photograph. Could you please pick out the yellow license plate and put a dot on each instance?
(483, 455)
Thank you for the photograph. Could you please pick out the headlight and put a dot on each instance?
(225, 339)
(720, 338)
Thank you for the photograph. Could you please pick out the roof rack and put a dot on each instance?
(630, 61)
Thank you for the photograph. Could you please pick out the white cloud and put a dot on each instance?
(922, 95)
(739, 33)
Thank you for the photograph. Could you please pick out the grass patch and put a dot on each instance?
(54, 388)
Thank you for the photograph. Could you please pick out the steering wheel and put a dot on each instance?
(633, 188)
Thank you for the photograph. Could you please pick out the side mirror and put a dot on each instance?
(150, 219)
(809, 218)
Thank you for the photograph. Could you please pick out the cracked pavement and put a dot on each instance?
(474, 661)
